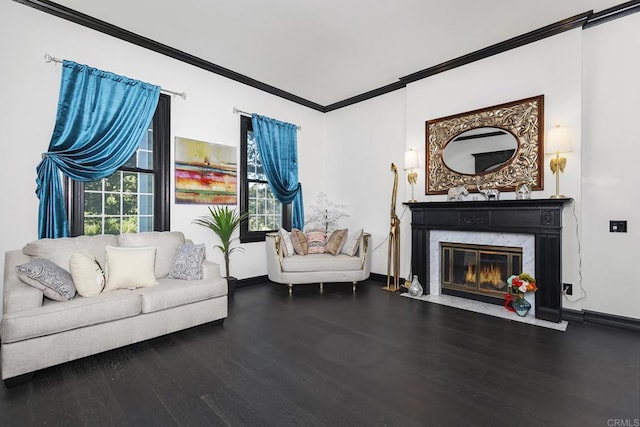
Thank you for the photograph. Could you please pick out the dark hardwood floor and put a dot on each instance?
(338, 358)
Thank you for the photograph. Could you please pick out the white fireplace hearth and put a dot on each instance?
(488, 310)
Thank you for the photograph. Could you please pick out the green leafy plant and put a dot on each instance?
(224, 222)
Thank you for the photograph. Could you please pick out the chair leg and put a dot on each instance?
(290, 286)
(354, 286)
(321, 288)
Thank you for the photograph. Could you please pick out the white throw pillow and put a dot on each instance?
(165, 242)
(130, 267)
(285, 238)
(87, 274)
(352, 243)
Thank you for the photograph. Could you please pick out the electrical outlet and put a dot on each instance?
(617, 226)
(567, 288)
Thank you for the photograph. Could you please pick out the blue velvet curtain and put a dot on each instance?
(101, 119)
(278, 147)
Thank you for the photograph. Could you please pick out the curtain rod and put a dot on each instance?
(244, 113)
(183, 95)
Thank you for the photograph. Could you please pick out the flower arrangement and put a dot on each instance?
(521, 284)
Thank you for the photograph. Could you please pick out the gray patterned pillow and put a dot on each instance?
(54, 281)
(187, 264)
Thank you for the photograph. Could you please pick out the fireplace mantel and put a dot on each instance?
(539, 217)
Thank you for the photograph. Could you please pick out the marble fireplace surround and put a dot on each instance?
(539, 218)
(524, 241)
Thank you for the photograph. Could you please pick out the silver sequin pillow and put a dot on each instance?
(53, 280)
(187, 264)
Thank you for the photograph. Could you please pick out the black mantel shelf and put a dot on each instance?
(540, 217)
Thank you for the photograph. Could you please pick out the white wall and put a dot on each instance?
(361, 142)
(611, 147)
(27, 114)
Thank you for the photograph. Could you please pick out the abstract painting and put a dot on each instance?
(206, 173)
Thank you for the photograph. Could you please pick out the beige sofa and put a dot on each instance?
(37, 332)
(317, 268)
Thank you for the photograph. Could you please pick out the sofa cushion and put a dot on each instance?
(60, 250)
(87, 274)
(167, 243)
(352, 243)
(175, 292)
(321, 262)
(335, 242)
(287, 243)
(315, 242)
(130, 267)
(299, 241)
(187, 264)
(54, 281)
(54, 316)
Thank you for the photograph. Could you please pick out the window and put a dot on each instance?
(266, 213)
(136, 197)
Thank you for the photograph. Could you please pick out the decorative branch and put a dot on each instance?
(325, 214)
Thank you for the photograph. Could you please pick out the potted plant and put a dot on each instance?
(224, 222)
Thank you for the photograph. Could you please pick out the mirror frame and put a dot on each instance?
(524, 119)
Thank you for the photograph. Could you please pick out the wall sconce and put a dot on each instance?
(558, 141)
(411, 164)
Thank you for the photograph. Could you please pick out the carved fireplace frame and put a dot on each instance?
(540, 217)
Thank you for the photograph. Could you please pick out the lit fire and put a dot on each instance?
(488, 274)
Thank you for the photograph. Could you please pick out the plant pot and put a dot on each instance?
(231, 285)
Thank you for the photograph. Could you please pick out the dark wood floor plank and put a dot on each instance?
(349, 359)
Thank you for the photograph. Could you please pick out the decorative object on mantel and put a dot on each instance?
(523, 191)
(415, 289)
(519, 286)
(558, 141)
(411, 164)
(455, 194)
(393, 255)
(489, 193)
(520, 122)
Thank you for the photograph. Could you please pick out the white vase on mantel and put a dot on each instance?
(415, 290)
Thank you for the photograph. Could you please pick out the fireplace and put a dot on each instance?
(539, 218)
(478, 271)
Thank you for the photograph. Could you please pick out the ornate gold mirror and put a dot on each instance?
(497, 147)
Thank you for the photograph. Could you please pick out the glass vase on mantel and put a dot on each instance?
(521, 305)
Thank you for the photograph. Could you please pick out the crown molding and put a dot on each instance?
(612, 13)
(585, 20)
(513, 43)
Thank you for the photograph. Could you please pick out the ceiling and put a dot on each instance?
(329, 50)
